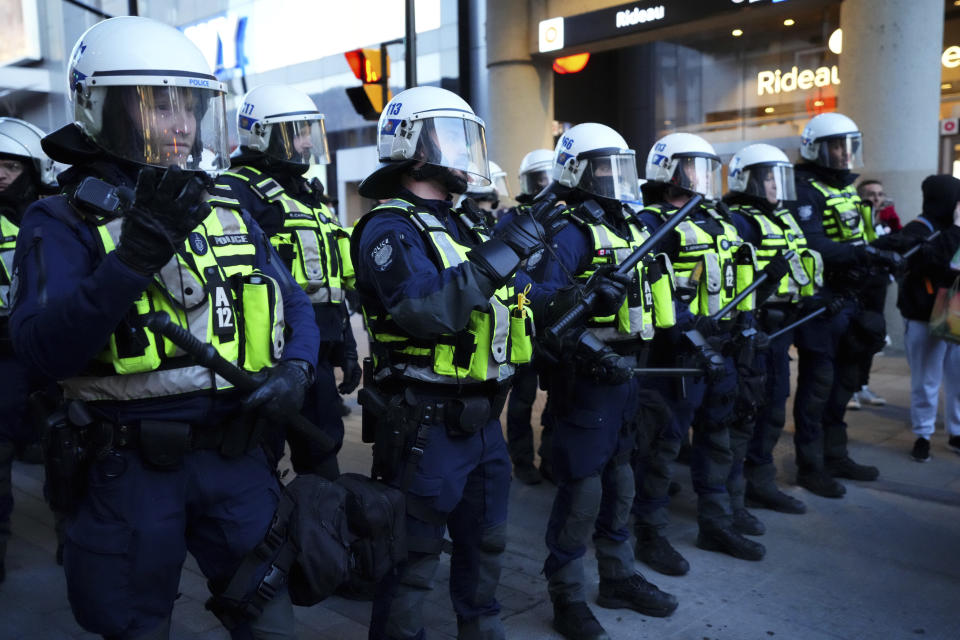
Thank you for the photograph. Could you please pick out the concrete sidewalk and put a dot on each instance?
(882, 563)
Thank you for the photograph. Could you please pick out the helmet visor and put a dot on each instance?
(455, 143)
(299, 142)
(533, 182)
(841, 152)
(771, 182)
(160, 126)
(611, 176)
(500, 184)
(699, 174)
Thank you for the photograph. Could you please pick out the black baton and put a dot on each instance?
(206, 355)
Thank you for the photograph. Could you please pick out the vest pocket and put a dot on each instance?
(813, 266)
(455, 355)
(262, 311)
(183, 285)
(520, 346)
(746, 268)
(712, 282)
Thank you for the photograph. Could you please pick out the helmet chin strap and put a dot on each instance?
(446, 177)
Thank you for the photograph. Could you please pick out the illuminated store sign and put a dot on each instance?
(594, 26)
(771, 82)
(629, 18)
(775, 81)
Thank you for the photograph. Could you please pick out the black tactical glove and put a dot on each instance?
(610, 289)
(167, 206)
(599, 361)
(834, 305)
(776, 268)
(351, 374)
(712, 361)
(761, 340)
(279, 395)
(522, 234)
(550, 215)
(891, 261)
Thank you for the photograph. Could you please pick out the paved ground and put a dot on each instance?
(882, 563)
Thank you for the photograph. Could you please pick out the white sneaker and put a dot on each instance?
(854, 402)
(871, 398)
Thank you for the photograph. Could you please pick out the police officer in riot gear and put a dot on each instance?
(534, 175)
(26, 173)
(173, 457)
(488, 201)
(761, 180)
(711, 264)
(282, 136)
(595, 401)
(446, 334)
(838, 226)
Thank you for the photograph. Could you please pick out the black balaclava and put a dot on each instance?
(450, 181)
(940, 196)
(23, 191)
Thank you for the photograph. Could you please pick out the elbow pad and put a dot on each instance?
(496, 260)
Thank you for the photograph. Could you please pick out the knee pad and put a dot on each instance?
(494, 539)
(625, 483)
(419, 570)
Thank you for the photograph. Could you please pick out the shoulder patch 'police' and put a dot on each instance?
(382, 255)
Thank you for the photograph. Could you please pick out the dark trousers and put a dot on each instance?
(759, 468)
(321, 406)
(523, 393)
(461, 484)
(128, 539)
(16, 432)
(594, 484)
(821, 397)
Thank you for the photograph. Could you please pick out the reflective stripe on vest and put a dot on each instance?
(211, 289)
(649, 301)
(311, 241)
(780, 233)
(710, 270)
(843, 213)
(494, 340)
(8, 243)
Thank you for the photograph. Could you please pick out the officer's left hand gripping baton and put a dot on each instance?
(817, 312)
(584, 307)
(206, 354)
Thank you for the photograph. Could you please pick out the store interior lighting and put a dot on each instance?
(736, 33)
(768, 109)
(789, 22)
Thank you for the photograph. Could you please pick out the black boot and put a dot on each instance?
(821, 483)
(657, 553)
(726, 540)
(637, 594)
(847, 468)
(748, 524)
(575, 621)
(774, 499)
(527, 473)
